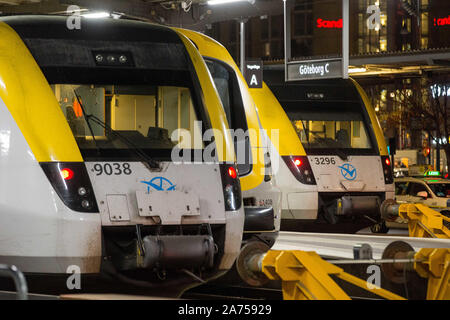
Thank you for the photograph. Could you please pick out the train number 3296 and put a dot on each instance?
(324, 160)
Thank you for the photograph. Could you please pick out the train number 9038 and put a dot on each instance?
(112, 169)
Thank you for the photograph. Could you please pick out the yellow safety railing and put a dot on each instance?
(306, 276)
(424, 222)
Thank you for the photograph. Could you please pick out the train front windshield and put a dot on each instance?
(126, 88)
(113, 119)
(330, 126)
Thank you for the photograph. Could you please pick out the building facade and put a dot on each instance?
(410, 43)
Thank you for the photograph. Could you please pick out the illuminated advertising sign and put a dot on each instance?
(314, 69)
(439, 22)
(329, 24)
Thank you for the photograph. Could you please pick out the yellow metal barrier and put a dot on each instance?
(434, 264)
(306, 276)
(425, 222)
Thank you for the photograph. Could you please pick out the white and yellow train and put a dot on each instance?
(87, 172)
(334, 168)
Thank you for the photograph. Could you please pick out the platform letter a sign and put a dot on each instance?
(254, 73)
(253, 80)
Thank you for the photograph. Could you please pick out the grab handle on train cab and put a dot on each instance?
(19, 280)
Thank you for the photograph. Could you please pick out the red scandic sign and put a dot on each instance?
(329, 24)
(439, 22)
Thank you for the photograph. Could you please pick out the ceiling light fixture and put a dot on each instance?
(356, 70)
(216, 2)
(97, 15)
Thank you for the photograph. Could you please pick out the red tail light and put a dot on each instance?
(71, 182)
(300, 168)
(66, 173)
(387, 170)
(232, 172)
(231, 187)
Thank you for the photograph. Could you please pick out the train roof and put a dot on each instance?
(53, 44)
(311, 90)
(56, 27)
(275, 77)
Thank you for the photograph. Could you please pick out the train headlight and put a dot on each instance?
(99, 58)
(123, 59)
(71, 182)
(229, 196)
(85, 204)
(111, 59)
(82, 191)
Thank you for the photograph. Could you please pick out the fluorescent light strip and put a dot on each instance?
(96, 15)
(356, 70)
(215, 2)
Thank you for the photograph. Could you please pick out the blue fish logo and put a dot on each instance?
(159, 184)
(348, 171)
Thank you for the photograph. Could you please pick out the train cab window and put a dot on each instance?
(323, 126)
(230, 95)
(332, 134)
(106, 117)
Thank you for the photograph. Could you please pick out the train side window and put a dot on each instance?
(401, 188)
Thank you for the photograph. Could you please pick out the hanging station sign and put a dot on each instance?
(254, 73)
(314, 69)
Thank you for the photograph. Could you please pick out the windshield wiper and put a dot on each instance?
(138, 151)
(339, 152)
(306, 131)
